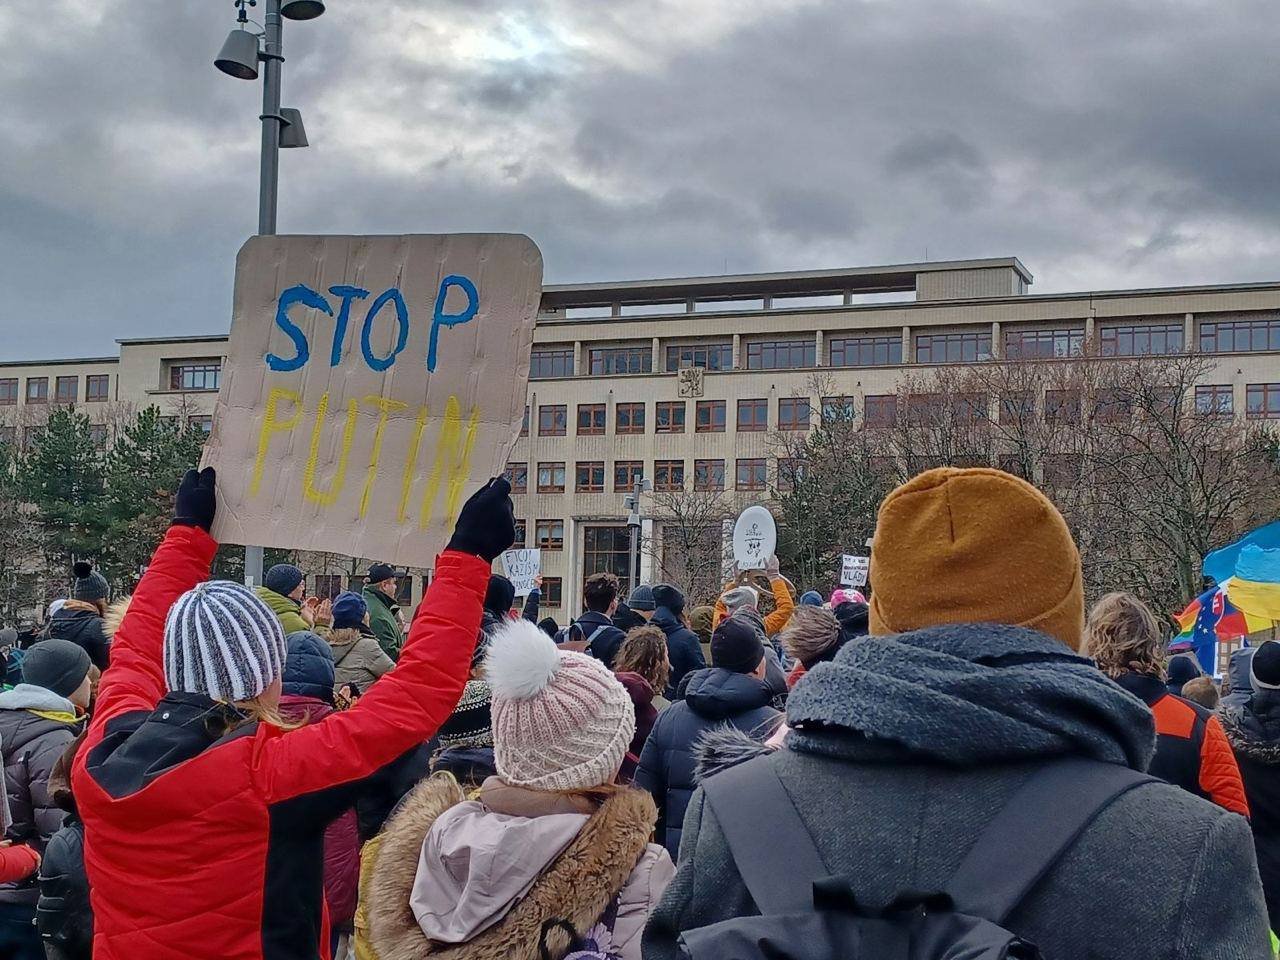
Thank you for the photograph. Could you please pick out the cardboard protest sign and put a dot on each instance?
(371, 385)
(853, 570)
(521, 567)
(755, 537)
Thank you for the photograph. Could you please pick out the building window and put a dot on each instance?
(65, 389)
(953, 347)
(668, 475)
(1111, 406)
(202, 423)
(548, 534)
(924, 408)
(205, 375)
(520, 534)
(606, 550)
(1062, 406)
(607, 361)
(327, 585)
(96, 387)
(838, 410)
(1044, 344)
(970, 408)
(517, 475)
(880, 410)
(1017, 408)
(1215, 400)
(708, 475)
(751, 474)
(625, 474)
(1140, 340)
(37, 389)
(8, 391)
(1240, 336)
(8, 435)
(753, 416)
(553, 418)
(883, 351)
(589, 476)
(591, 419)
(1262, 401)
(98, 435)
(669, 416)
(709, 356)
(551, 477)
(790, 470)
(552, 592)
(544, 364)
(793, 413)
(781, 354)
(524, 424)
(629, 418)
(710, 416)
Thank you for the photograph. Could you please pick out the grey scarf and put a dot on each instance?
(967, 694)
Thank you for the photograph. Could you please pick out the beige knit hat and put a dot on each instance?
(561, 720)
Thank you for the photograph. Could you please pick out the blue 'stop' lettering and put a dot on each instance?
(442, 319)
(308, 298)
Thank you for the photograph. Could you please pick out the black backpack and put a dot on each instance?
(807, 914)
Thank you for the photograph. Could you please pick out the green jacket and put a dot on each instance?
(286, 610)
(383, 622)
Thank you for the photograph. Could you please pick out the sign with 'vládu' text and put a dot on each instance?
(371, 385)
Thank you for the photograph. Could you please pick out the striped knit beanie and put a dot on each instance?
(561, 720)
(222, 641)
(470, 724)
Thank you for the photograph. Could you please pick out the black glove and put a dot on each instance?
(487, 524)
(195, 503)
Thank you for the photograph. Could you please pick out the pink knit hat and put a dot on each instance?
(846, 595)
(561, 720)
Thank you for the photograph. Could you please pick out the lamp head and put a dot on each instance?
(301, 9)
(239, 56)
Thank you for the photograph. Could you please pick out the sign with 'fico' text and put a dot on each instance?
(522, 568)
(853, 570)
(371, 384)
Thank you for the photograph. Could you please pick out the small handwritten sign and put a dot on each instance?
(521, 568)
(755, 537)
(371, 384)
(853, 570)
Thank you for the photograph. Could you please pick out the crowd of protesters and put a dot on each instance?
(203, 770)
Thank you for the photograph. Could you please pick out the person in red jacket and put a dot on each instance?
(1192, 750)
(204, 813)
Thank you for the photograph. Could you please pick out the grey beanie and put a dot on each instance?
(56, 665)
(89, 585)
(222, 641)
(739, 597)
(642, 598)
(283, 579)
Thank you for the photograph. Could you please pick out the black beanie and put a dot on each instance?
(500, 595)
(56, 665)
(283, 579)
(736, 646)
(665, 595)
(89, 584)
(380, 572)
(1264, 667)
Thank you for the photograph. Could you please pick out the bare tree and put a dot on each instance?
(689, 552)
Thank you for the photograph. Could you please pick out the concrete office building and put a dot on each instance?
(608, 402)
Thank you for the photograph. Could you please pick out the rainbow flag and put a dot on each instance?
(1244, 603)
(1207, 619)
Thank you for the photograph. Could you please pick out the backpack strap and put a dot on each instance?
(595, 633)
(748, 801)
(1032, 831)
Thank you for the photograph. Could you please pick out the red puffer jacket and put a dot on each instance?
(206, 844)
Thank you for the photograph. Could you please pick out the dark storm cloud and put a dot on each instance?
(1108, 143)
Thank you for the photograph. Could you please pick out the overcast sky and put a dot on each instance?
(1108, 144)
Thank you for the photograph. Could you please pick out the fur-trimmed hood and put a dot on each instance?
(1254, 730)
(723, 747)
(574, 891)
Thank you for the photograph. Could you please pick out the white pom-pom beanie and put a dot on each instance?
(561, 720)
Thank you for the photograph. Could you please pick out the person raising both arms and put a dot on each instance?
(204, 811)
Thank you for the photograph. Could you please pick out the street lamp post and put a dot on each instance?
(632, 502)
(280, 127)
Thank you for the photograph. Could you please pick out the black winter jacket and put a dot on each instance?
(63, 915)
(713, 697)
(1254, 734)
(82, 627)
(604, 647)
(683, 649)
(31, 744)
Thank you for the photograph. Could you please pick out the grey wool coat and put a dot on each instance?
(904, 747)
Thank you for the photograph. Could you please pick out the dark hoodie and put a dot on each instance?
(642, 695)
(1238, 679)
(1254, 734)
(713, 697)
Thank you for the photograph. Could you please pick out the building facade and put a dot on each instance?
(681, 382)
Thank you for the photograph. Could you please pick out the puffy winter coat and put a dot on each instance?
(646, 716)
(36, 725)
(63, 916)
(81, 623)
(202, 843)
(1238, 679)
(1192, 752)
(1254, 733)
(576, 862)
(683, 649)
(713, 696)
(286, 610)
(383, 621)
(358, 658)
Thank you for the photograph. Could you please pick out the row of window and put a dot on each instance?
(668, 475)
(97, 387)
(670, 416)
(98, 432)
(1244, 335)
